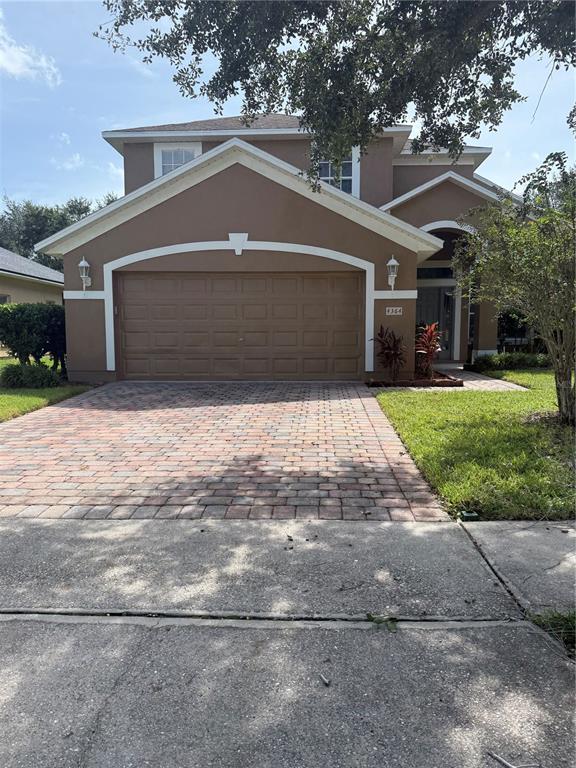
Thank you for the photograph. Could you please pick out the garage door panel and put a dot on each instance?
(284, 286)
(315, 339)
(163, 312)
(284, 312)
(195, 312)
(192, 340)
(225, 312)
(239, 326)
(256, 366)
(256, 339)
(254, 312)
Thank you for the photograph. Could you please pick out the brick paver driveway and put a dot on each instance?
(234, 450)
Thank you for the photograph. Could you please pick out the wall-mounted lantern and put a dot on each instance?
(84, 269)
(392, 267)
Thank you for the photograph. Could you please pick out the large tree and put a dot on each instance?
(24, 223)
(352, 67)
(523, 259)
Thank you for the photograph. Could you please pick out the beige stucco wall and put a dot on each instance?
(446, 201)
(235, 200)
(375, 165)
(240, 200)
(23, 291)
(138, 165)
(408, 177)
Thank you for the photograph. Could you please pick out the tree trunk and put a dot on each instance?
(566, 394)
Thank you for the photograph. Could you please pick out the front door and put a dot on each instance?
(435, 304)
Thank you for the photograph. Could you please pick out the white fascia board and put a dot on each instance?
(493, 185)
(32, 279)
(474, 156)
(456, 178)
(118, 138)
(215, 160)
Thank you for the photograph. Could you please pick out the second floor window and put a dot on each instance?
(169, 156)
(174, 158)
(343, 180)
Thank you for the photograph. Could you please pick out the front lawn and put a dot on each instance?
(16, 402)
(490, 452)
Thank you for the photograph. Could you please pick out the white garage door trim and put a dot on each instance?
(239, 242)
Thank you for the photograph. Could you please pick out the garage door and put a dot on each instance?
(239, 326)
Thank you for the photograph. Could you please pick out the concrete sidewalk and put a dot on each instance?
(282, 568)
(536, 560)
(126, 693)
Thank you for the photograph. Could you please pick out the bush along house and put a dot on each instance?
(222, 262)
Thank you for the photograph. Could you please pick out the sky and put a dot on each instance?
(60, 87)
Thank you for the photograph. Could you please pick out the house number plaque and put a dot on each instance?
(393, 311)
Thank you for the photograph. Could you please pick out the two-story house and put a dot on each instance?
(221, 261)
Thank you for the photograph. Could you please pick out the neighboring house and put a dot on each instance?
(25, 281)
(221, 261)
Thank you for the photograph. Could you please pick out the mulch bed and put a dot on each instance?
(438, 380)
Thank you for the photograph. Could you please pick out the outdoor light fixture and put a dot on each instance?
(392, 267)
(84, 268)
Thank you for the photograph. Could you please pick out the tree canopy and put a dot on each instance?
(522, 258)
(24, 223)
(350, 68)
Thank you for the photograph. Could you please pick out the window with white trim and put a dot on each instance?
(4, 298)
(174, 158)
(343, 180)
(169, 157)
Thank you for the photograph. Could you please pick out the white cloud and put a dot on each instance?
(115, 171)
(64, 138)
(536, 156)
(24, 61)
(141, 68)
(72, 163)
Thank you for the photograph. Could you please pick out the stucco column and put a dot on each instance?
(486, 337)
(403, 324)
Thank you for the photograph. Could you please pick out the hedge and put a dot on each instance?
(509, 361)
(31, 331)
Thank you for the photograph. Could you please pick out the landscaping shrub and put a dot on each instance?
(391, 351)
(35, 376)
(427, 349)
(509, 361)
(33, 331)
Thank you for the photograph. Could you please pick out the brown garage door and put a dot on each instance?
(239, 326)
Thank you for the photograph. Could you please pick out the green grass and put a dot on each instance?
(500, 454)
(562, 626)
(16, 402)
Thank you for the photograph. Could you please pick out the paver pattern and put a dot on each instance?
(218, 450)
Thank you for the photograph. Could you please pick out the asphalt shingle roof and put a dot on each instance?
(11, 262)
(226, 124)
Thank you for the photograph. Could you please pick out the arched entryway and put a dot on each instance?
(439, 297)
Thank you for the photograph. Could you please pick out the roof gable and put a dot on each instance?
(216, 160)
(450, 176)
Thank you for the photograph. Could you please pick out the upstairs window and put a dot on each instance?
(174, 158)
(168, 157)
(348, 180)
(343, 180)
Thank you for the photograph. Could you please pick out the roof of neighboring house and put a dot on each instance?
(236, 123)
(18, 266)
